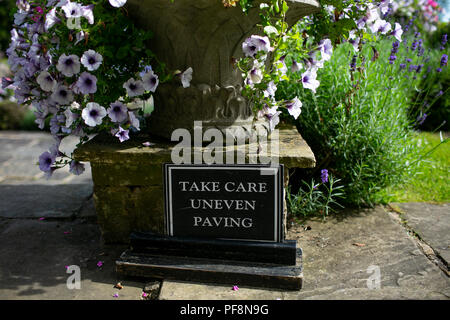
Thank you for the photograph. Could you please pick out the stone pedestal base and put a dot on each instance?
(128, 178)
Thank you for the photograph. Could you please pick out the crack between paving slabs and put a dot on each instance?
(399, 216)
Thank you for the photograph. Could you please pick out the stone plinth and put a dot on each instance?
(128, 178)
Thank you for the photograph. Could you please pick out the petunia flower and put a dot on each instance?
(134, 120)
(46, 161)
(117, 112)
(255, 44)
(62, 95)
(117, 3)
(46, 81)
(294, 107)
(255, 75)
(91, 60)
(397, 33)
(150, 81)
(87, 83)
(88, 13)
(93, 114)
(134, 87)
(309, 80)
(326, 48)
(70, 117)
(72, 10)
(296, 67)
(68, 65)
(186, 77)
(76, 167)
(51, 19)
(122, 134)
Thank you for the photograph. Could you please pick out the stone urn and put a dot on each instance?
(206, 36)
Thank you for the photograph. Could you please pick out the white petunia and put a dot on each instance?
(72, 10)
(186, 77)
(91, 60)
(134, 87)
(62, 95)
(150, 81)
(309, 80)
(68, 65)
(46, 81)
(93, 114)
(294, 107)
(117, 3)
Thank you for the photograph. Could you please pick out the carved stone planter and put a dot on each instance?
(204, 35)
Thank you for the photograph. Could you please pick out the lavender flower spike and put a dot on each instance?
(324, 175)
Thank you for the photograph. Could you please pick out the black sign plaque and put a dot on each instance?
(239, 202)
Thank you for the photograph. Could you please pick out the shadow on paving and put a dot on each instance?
(42, 200)
(34, 255)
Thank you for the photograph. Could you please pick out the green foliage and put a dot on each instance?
(430, 183)
(315, 199)
(357, 123)
(6, 21)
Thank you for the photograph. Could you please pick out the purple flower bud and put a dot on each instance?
(444, 60)
(392, 59)
(324, 175)
(444, 40)
(402, 66)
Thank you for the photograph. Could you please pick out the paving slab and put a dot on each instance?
(340, 257)
(42, 200)
(34, 255)
(432, 223)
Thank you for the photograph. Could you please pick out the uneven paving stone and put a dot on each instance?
(432, 223)
(34, 255)
(42, 200)
(336, 257)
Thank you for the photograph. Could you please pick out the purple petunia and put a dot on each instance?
(117, 112)
(122, 134)
(46, 161)
(76, 167)
(87, 83)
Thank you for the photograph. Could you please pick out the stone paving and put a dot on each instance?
(46, 225)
